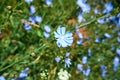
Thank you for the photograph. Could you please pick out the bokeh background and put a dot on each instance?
(28, 49)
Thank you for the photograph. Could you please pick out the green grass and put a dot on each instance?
(17, 45)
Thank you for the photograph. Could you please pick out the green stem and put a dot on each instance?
(13, 63)
(87, 23)
(43, 46)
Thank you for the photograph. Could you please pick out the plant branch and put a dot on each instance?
(87, 23)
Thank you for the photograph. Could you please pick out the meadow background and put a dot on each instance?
(30, 49)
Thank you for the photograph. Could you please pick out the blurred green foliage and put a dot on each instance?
(20, 48)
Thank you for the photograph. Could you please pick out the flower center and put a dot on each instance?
(62, 37)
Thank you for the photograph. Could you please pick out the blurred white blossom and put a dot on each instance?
(63, 75)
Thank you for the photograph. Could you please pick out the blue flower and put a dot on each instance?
(24, 73)
(118, 15)
(67, 62)
(80, 18)
(80, 67)
(118, 51)
(38, 19)
(103, 70)
(27, 26)
(32, 19)
(89, 52)
(67, 54)
(118, 23)
(118, 39)
(97, 39)
(35, 19)
(80, 41)
(103, 73)
(47, 28)
(84, 59)
(108, 7)
(86, 8)
(28, 1)
(46, 34)
(101, 21)
(82, 4)
(80, 35)
(96, 11)
(57, 59)
(19, 78)
(63, 39)
(2, 78)
(87, 71)
(107, 35)
(47, 31)
(32, 9)
(119, 33)
(113, 18)
(48, 2)
(115, 63)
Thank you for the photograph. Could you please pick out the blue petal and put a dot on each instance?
(67, 54)
(47, 35)
(47, 28)
(64, 44)
(2, 78)
(56, 35)
(28, 1)
(118, 39)
(38, 19)
(48, 2)
(32, 9)
(58, 43)
(27, 26)
(115, 63)
(84, 59)
(68, 34)
(69, 42)
(59, 30)
(57, 59)
(62, 30)
(24, 73)
(118, 51)
(80, 67)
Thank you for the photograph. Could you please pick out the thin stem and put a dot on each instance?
(43, 46)
(14, 63)
(87, 23)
